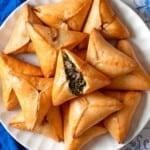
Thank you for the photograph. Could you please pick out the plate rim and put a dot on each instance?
(12, 13)
(29, 1)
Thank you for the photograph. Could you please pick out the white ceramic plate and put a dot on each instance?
(141, 40)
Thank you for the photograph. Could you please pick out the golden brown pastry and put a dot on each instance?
(68, 14)
(74, 77)
(51, 125)
(34, 96)
(81, 53)
(88, 110)
(94, 18)
(72, 143)
(60, 38)
(103, 17)
(139, 79)
(19, 66)
(119, 123)
(107, 58)
(19, 41)
(112, 25)
(83, 44)
(7, 64)
(45, 52)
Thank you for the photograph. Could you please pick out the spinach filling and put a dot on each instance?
(76, 80)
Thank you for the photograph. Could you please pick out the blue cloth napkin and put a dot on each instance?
(6, 141)
(6, 7)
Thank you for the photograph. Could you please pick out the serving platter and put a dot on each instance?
(140, 39)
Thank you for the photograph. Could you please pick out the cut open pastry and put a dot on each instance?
(45, 51)
(34, 96)
(118, 124)
(51, 125)
(103, 17)
(68, 14)
(74, 77)
(7, 64)
(107, 58)
(88, 110)
(139, 79)
(60, 38)
(19, 41)
(72, 143)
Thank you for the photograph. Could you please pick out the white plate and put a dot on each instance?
(141, 40)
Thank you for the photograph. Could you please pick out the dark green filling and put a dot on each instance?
(76, 80)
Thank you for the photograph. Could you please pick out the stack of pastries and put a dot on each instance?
(84, 86)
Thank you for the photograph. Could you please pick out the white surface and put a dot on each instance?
(140, 38)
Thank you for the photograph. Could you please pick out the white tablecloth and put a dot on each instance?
(142, 141)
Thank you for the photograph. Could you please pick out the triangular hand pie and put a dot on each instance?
(19, 66)
(20, 40)
(45, 52)
(88, 110)
(7, 64)
(60, 38)
(103, 17)
(74, 77)
(139, 79)
(118, 124)
(112, 26)
(68, 14)
(72, 143)
(94, 18)
(34, 96)
(51, 125)
(107, 58)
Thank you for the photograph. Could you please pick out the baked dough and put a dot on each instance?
(34, 96)
(93, 78)
(7, 64)
(88, 110)
(81, 53)
(118, 124)
(107, 58)
(103, 17)
(60, 38)
(139, 79)
(45, 52)
(19, 41)
(51, 126)
(72, 143)
(68, 14)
